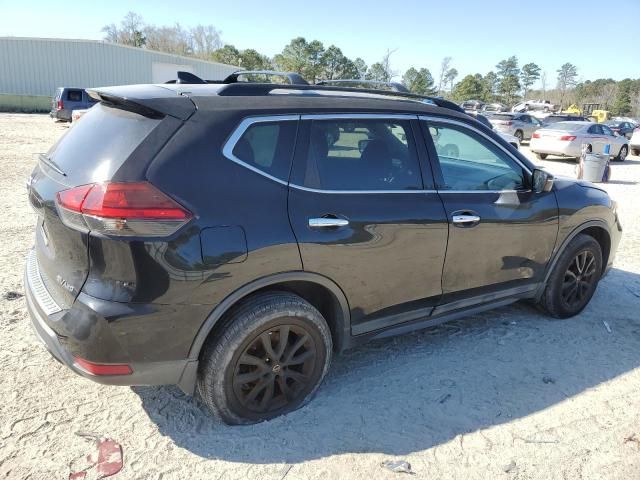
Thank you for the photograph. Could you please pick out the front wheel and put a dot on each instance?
(268, 360)
(574, 278)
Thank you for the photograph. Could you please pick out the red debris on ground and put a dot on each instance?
(107, 461)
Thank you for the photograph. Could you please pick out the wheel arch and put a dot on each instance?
(597, 229)
(318, 290)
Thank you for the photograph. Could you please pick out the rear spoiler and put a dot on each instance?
(149, 100)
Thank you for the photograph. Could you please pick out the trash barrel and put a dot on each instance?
(594, 166)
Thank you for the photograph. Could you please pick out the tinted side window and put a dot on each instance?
(595, 130)
(268, 146)
(362, 155)
(74, 95)
(470, 162)
(606, 130)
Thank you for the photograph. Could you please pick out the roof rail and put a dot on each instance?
(253, 89)
(294, 78)
(393, 86)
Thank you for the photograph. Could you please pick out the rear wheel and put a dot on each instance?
(622, 155)
(541, 156)
(268, 360)
(574, 278)
(519, 135)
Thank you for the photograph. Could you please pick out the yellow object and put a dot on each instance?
(600, 116)
(573, 109)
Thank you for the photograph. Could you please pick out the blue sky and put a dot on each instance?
(477, 34)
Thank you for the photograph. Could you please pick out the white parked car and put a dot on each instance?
(634, 143)
(541, 105)
(566, 139)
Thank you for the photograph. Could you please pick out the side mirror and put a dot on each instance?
(542, 181)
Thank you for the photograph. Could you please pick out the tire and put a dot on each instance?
(635, 151)
(541, 156)
(622, 155)
(519, 135)
(557, 299)
(264, 318)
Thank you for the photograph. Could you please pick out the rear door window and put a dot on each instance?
(267, 147)
(360, 155)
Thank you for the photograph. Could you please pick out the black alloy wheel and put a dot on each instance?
(275, 369)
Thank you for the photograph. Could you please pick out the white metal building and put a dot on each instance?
(32, 68)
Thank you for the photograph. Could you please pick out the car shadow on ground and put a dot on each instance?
(410, 393)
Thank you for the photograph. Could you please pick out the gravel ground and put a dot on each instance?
(506, 394)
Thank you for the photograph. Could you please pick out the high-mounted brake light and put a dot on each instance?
(121, 209)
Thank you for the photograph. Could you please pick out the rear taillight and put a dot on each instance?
(567, 138)
(535, 135)
(60, 105)
(121, 209)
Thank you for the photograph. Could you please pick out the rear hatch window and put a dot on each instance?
(94, 149)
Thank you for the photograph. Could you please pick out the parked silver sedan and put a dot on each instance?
(520, 125)
(566, 139)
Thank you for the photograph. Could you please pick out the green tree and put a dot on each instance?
(470, 87)
(377, 72)
(361, 68)
(490, 87)
(419, 81)
(227, 54)
(336, 65)
(622, 104)
(302, 57)
(250, 59)
(567, 75)
(508, 79)
(528, 76)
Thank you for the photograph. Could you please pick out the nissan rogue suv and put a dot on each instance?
(232, 237)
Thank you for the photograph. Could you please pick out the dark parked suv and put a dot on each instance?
(66, 100)
(232, 237)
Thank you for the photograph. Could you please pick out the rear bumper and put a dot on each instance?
(42, 312)
(555, 147)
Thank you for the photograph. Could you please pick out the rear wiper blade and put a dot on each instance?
(50, 163)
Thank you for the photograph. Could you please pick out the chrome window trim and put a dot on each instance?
(358, 116)
(243, 126)
(429, 118)
(355, 192)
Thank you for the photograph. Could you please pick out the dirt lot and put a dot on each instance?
(506, 394)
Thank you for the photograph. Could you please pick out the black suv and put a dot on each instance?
(232, 237)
